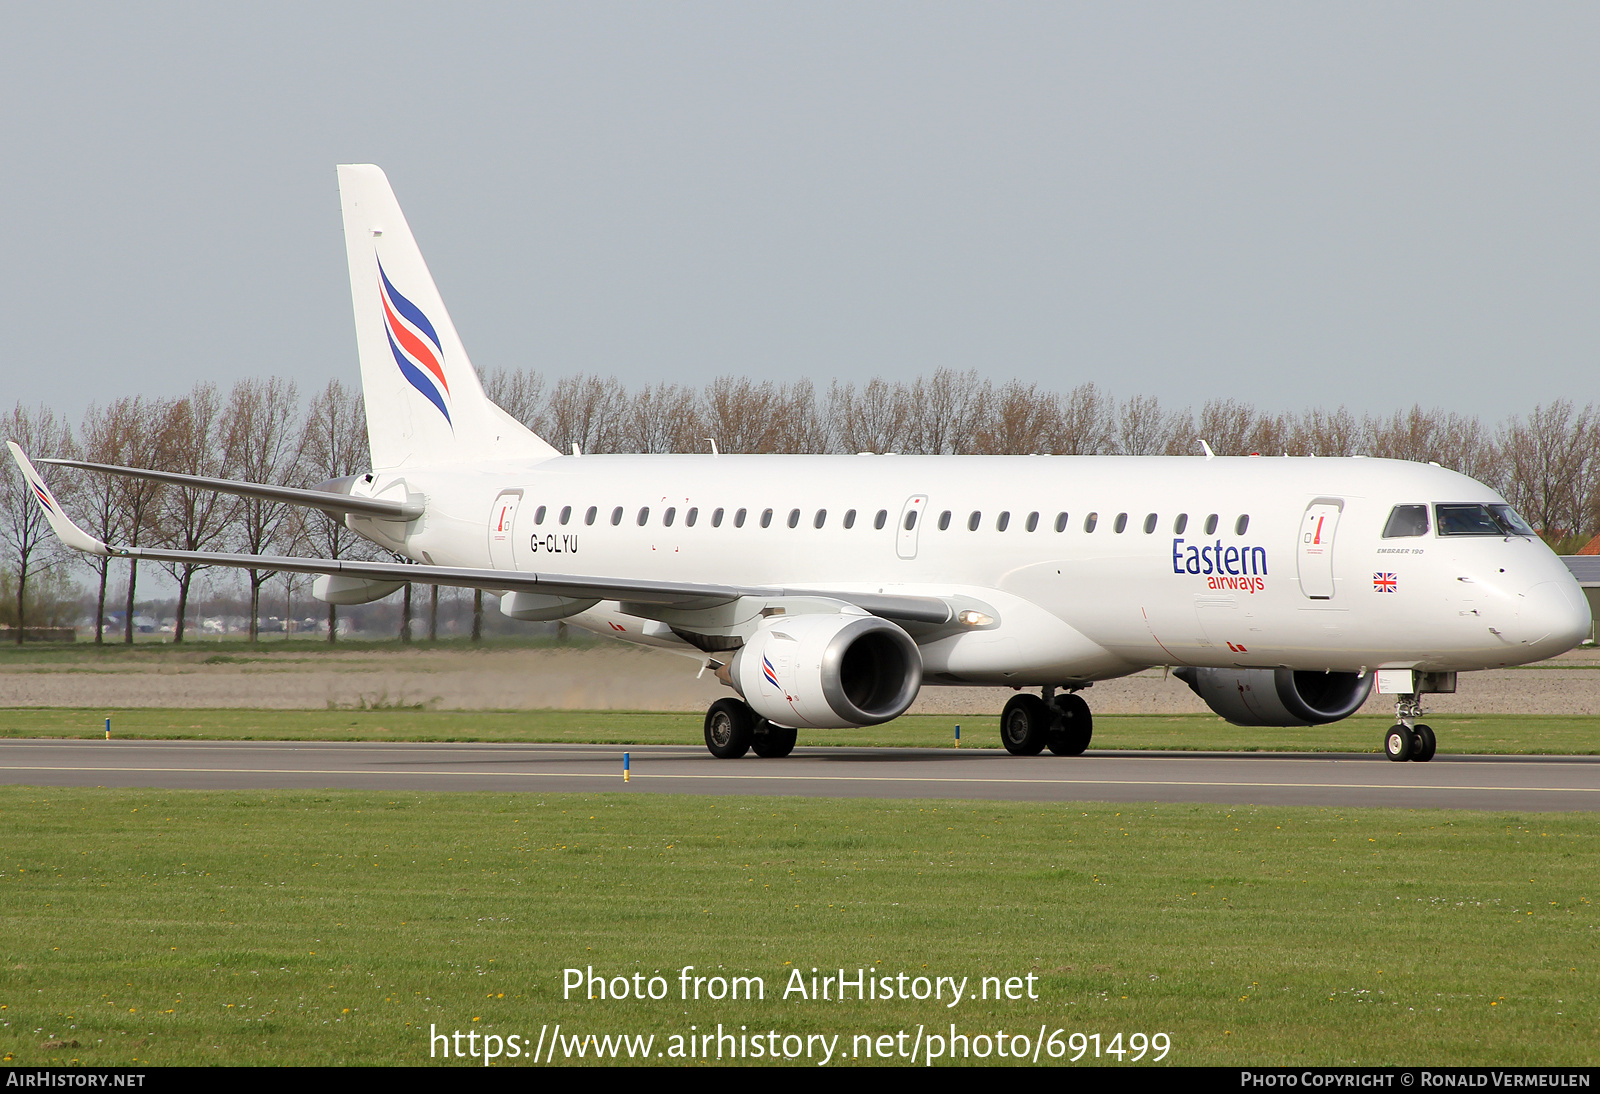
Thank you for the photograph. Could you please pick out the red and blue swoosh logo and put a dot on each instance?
(415, 345)
(772, 677)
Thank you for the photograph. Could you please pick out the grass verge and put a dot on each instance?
(1474, 733)
(192, 927)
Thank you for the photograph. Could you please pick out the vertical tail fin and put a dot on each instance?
(424, 403)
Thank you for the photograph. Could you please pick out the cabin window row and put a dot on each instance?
(1119, 524)
(1002, 521)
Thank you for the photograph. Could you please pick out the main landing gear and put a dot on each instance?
(1031, 723)
(1409, 739)
(732, 729)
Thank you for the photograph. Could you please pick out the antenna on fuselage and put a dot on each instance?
(1210, 455)
(714, 451)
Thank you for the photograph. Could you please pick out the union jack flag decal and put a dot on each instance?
(1384, 583)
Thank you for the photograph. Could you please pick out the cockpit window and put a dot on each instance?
(1512, 521)
(1406, 520)
(1480, 520)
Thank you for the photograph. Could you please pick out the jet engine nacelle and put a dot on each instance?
(1278, 697)
(828, 671)
(340, 589)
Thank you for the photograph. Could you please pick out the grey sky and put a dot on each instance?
(1289, 204)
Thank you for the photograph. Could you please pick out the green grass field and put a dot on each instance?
(1475, 733)
(189, 927)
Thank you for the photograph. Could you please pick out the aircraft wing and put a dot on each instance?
(677, 594)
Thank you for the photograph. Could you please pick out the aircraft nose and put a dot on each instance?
(1554, 616)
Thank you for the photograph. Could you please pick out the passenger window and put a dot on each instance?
(1061, 522)
(644, 515)
(538, 515)
(1090, 521)
(879, 520)
(566, 513)
(1211, 524)
(944, 520)
(794, 518)
(1240, 525)
(972, 521)
(1120, 524)
(911, 519)
(1003, 522)
(849, 518)
(1406, 520)
(738, 518)
(1149, 524)
(1033, 522)
(594, 511)
(766, 518)
(716, 518)
(821, 518)
(1180, 524)
(690, 517)
(667, 517)
(616, 515)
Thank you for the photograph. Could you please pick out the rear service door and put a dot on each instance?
(502, 523)
(1316, 547)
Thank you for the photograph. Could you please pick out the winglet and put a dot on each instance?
(60, 523)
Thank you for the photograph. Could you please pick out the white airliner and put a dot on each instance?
(828, 590)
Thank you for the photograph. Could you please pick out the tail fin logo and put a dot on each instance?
(415, 345)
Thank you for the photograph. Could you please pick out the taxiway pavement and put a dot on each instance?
(1509, 783)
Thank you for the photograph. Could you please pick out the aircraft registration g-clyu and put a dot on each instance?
(828, 590)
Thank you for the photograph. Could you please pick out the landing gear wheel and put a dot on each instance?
(1427, 744)
(730, 728)
(773, 742)
(1073, 727)
(1399, 744)
(1025, 725)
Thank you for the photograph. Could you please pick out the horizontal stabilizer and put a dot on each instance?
(327, 501)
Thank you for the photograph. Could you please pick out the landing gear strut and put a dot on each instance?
(1031, 723)
(1409, 739)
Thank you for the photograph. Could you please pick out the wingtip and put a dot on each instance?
(61, 524)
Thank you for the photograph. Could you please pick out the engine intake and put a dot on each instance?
(828, 671)
(1278, 697)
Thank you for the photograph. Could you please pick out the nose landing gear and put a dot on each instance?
(1409, 739)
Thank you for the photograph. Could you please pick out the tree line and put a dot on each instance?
(1546, 462)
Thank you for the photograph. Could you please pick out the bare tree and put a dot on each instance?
(948, 410)
(1549, 462)
(586, 411)
(1085, 423)
(104, 437)
(665, 418)
(1326, 433)
(520, 394)
(875, 419)
(1020, 421)
(741, 415)
(262, 445)
(24, 532)
(1226, 425)
(189, 441)
(1143, 428)
(333, 446)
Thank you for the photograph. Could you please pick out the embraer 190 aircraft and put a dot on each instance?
(828, 590)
